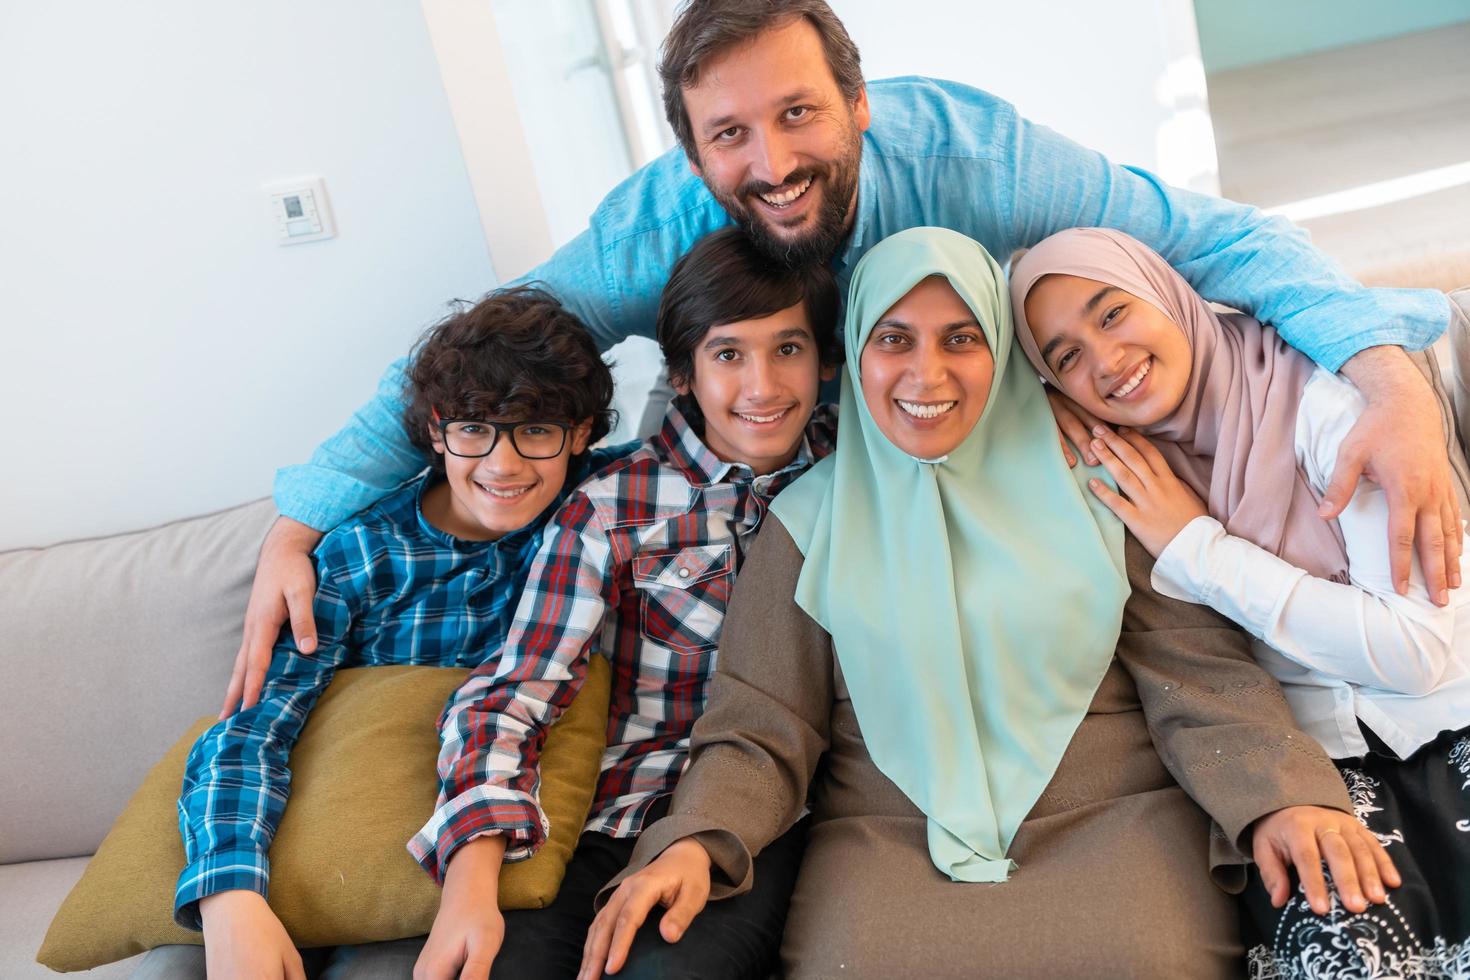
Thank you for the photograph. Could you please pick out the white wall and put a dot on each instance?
(1123, 77)
(160, 355)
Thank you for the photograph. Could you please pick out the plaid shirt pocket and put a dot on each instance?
(684, 593)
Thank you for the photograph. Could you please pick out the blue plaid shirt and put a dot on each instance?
(391, 589)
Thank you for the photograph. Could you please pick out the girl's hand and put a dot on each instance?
(1306, 836)
(1073, 424)
(677, 879)
(1155, 504)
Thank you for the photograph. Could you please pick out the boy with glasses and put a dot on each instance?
(504, 398)
(637, 567)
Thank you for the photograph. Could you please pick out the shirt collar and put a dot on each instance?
(686, 451)
(857, 240)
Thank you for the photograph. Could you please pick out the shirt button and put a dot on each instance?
(683, 573)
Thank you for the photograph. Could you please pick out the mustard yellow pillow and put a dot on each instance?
(363, 782)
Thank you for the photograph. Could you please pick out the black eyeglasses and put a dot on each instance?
(473, 438)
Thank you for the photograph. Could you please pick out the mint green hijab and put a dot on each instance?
(975, 602)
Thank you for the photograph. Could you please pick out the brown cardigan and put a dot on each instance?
(1182, 702)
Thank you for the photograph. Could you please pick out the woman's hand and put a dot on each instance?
(1073, 424)
(1305, 836)
(1156, 504)
(678, 879)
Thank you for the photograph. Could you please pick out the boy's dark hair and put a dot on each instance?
(705, 28)
(517, 354)
(725, 278)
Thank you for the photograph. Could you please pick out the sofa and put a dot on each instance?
(109, 648)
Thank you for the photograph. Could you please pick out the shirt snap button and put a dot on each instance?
(683, 573)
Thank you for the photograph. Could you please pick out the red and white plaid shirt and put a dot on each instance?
(637, 565)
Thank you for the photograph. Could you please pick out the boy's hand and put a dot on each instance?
(1073, 424)
(1399, 442)
(244, 939)
(469, 928)
(1156, 504)
(285, 583)
(1304, 837)
(678, 879)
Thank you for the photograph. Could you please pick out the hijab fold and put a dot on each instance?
(974, 602)
(1233, 437)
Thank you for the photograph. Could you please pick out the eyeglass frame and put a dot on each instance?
(507, 428)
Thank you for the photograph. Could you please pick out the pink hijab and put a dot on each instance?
(1233, 438)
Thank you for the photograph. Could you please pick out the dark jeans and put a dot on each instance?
(738, 938)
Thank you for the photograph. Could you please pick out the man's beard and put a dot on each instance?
(828, 226)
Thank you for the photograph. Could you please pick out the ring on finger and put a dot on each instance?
(1327, 830)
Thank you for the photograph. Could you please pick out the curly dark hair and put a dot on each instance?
(705, 28)
(517, 354)
(724, 279)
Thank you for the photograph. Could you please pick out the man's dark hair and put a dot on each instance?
(723, 279)
(518, 354)
(704, 28)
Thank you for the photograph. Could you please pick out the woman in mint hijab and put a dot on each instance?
(933, 649)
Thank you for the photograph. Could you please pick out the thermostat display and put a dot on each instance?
(299, 210)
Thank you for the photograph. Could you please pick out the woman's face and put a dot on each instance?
(926, 370)
(1116, 355)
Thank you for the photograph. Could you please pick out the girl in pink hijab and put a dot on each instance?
(1227, 439)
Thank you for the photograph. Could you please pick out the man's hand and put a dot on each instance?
(678, 879)
(1155, 504)
(1304, 837)
(1074, 423)
(1399, 442)
(285, 584)
(244, 939)
(469, 928)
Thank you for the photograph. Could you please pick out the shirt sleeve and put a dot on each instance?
(236, 780)
(1218, 721)
(1231, 253)
(755, 750)
(1363, 631)
(358, 466)
(495, 725)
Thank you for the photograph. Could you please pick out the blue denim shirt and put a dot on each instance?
(937, 153)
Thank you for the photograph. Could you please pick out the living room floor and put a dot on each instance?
(1367, 147)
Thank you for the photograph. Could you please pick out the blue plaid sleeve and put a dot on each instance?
(236, 781)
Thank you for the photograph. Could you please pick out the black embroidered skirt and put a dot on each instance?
(1419, 810)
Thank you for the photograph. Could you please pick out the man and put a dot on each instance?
(780, 134)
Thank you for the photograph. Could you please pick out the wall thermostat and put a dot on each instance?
(300, 210)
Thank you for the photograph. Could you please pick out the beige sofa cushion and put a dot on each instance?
(109, 649)
(29, 894)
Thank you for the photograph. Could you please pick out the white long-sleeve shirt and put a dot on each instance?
(1341, 652)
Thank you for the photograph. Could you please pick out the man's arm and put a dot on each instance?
(1234, 254)
(1230, 253)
